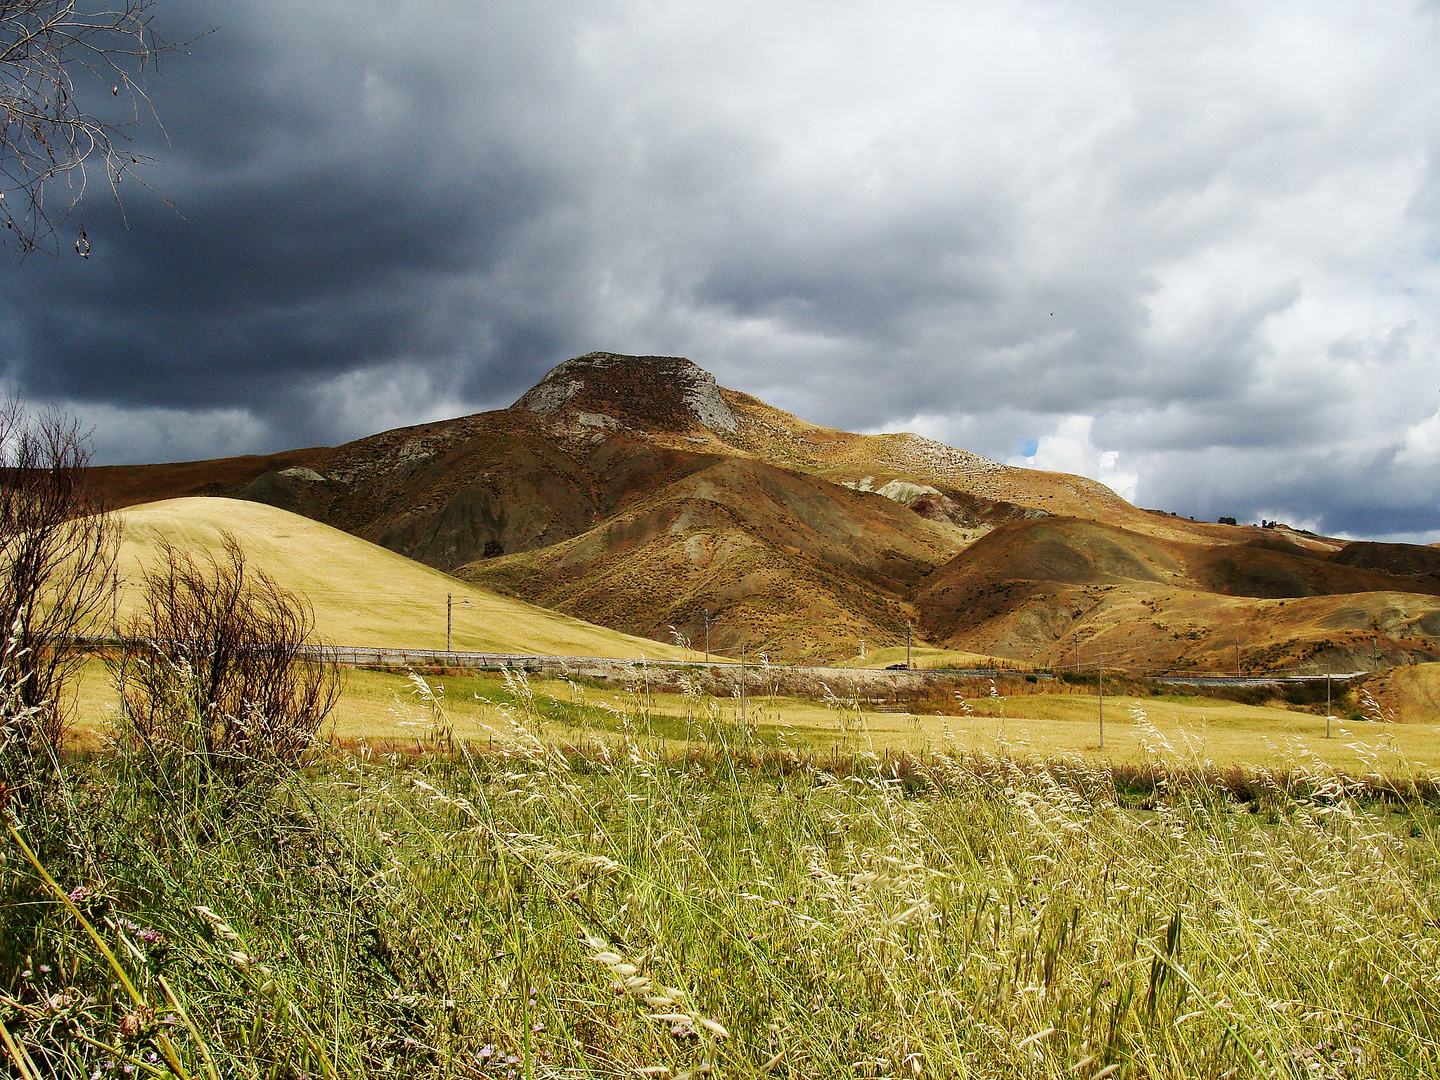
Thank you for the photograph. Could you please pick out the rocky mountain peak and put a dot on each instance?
(659, 393)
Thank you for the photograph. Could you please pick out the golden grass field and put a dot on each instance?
(379, 705)
(364, 594)
(928, 659)
(380, 708)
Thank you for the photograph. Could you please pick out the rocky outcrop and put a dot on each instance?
(637, 392)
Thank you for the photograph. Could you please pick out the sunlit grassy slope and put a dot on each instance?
(925, 659)
(364, 594)
(1410, 694)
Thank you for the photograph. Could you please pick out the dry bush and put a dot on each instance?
(57, 557)
(219, 666)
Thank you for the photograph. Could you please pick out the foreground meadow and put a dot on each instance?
(530, 905)
(376, 708)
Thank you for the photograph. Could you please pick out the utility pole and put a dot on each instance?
(447, 622)
(124, 647)
(1375, 647)
(1237, 658)
(1100, 671)
(1077, 652)
(1327, 699)
(707, 635)
(742, 681)
(907, 644)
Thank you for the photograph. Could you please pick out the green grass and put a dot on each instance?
(477, 911)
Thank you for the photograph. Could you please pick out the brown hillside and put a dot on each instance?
(1031, 589)
(1018, 588)
(1275, 569)
(1178, 629)
(1408, 694)
(129, 485)
(636, 492)
(1420, 564)
(782, 561)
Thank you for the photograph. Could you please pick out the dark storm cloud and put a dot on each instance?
(315, 273)
(326, 221)
(1187, 251)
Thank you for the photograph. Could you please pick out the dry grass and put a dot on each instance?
(1411, 693)
(532, 911)
(364, 594)
(1224, 733)
(374, 708)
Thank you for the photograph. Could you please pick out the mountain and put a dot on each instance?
(635, 492)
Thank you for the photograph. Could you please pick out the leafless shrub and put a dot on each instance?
(220, 666)
(57, 558)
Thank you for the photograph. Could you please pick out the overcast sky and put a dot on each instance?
(1188, 249)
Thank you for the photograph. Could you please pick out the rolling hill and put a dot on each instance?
(363, 594)
(638, 494)
(1045, 589)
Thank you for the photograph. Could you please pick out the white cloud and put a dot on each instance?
(378, 399)
(1070, 448)
(1421, 445)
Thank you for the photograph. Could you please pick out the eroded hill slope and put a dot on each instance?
(1051, 589)
(635, 492)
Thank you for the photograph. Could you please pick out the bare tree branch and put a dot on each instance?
(50, 139)
(57, 559)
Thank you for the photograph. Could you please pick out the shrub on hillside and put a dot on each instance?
(220, 668)
(57, 552)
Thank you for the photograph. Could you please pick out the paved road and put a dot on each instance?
(578, 664)
(1253, 680)
(356, 656)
